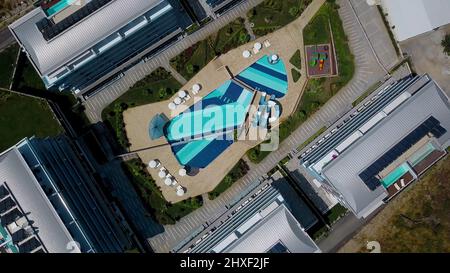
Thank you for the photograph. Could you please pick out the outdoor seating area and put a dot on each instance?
(168, 178)
(257, 47)
(183, 97)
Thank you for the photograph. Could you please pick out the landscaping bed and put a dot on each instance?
(7, 64)
(318, 91)
(160, 85)
(22, 116)
(272, 15)
(238, 171)
(163, 212)
(193, 59)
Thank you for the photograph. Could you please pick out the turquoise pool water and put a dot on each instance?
(6, 237)
(204, 131)
(59, 7)
(266, 77)
(395, 175)
(421, 154)
(222, 109)
(201, 133)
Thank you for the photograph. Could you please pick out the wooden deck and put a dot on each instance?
(428, 161)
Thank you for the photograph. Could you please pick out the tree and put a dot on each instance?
(446, 44)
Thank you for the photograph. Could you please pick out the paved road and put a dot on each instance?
(368, 72)
(96, 104)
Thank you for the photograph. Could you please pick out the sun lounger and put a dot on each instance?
(402, 182)
(396, 187)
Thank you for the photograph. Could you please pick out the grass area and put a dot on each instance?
(22, 116)
(296, 60)
(312, 138)
(26, 77)
(164, 212)
(238, 171)
(193, 59)
(285, 160)
(255, 155)
(7, 64)
(160, 85)
(271, 15)
(335, 213)
(418, 220)
(446, 44)
(295, 75)
(27, 81)
(318, 91)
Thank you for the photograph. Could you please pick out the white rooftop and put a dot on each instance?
(414, 17)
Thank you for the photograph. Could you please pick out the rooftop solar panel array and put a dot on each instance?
(50, 30)
(390, 94)
(431, 125)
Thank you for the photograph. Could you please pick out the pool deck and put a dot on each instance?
(284, 42)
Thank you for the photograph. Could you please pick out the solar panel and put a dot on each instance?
(430, 125)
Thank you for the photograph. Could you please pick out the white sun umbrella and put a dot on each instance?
(271, 103)
(168, 181)
(153, 164)
(182, 94)
(177, 101)
(196, 87)
(274, 57)
(182, 172)
(172, 106)
(257, 46)
(180, 191)
(162, 173)
(246, 54)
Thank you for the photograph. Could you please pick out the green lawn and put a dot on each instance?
(193, 59)
(163, 212)
(295, 75)
(271, 15)
(238, 171)
(7, 64)
(22, 117)
(296, 60)
(318, 91)
(28, 81)
(335, 213)
(158, 86)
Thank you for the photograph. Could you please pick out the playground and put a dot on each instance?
(321, 61)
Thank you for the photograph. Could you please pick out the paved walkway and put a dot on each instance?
(95, 104)
(368, 72)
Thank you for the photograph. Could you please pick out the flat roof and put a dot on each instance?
(343, 172)
(414, 17)
(48, 56)
(24, 187)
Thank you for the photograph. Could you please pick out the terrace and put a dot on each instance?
(245, 74)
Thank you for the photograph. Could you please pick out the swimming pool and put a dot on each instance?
(266, 77)
(395, 175)
(58, 7)
(201, 133)
(204, 131)
(421, 154)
